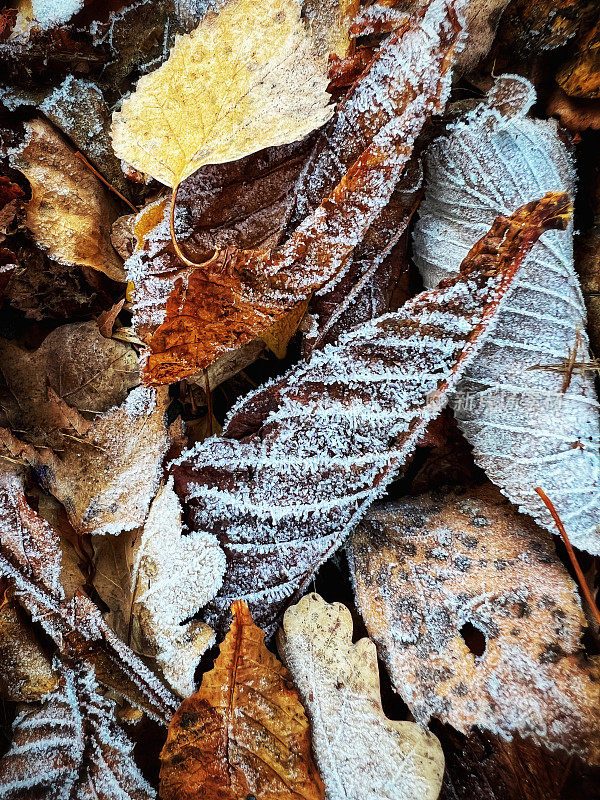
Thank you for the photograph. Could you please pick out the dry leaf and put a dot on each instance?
(75, 362)
(26, 673)
(190, 317)
(245, 79)
(477, 620)
(361, 754)
(302, 459)
(574, 114)
(580, 76)
(173, 576)
(46, 13)
(107, 477)
(530, 421)
(330, 22)
(30, 559)
(71, 747)
(244, 733)
(70, 211)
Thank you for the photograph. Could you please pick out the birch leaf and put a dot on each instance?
(361, 754)
(70, 748)
(439, 572)
(70, 212)
(245, 79)
(173, 577)
(531, 421)
(302, 459)
(244, 733)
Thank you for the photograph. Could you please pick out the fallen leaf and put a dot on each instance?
(527, 426)
(359, 751)
(30, 559)
(477, 620)
(44, 14)
(244, 733)
(191, 317)
(74, 363)
(575, 114)
(26, 669)
(330, 22)
(580, 76)
(70, 211)
(302, 459)
(106, 478)
(70, 746)
(173, 576)
(534, 27)
(178, 119)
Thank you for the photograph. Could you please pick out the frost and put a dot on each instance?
(498, 573)
(528, 426)
(70, 748)
(51, 13)
(173, 576)
(360, 753)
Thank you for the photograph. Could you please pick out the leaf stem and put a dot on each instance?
(178, 251)
(100, 177)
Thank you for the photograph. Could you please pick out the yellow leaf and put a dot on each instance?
(246, 78)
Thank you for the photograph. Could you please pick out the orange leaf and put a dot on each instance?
(244, 732)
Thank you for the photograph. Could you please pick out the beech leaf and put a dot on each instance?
(70, 211)
(321, 444)
(70, 748)
(477, 620)
(531, 420)
(247, 78)
(244, 733)
(361, 754)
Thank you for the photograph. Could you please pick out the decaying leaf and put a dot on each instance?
(580, 76)
(247, 78)
(190, 317)
(173, 576)
(26, 673)
(302, 459)
(70, 748)
(361, 754)
(330, 22)
(530, 422)
(575, 114)
(477, 620)
(30, 559)
(244, 733)
(70, 211)
(46, 13)
(107, 476)
(75, 364)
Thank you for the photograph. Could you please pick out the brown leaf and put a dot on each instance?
(70, 211)
(30, 559)
(574, 113)
(580, 76)
(302, 459)
(477, 620)
(192, 316)
(244, 733)
(106, 478)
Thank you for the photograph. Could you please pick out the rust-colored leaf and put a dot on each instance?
(244, 733)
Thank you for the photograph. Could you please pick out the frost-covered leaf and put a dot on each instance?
(193, 316)
(529, 423)
(330, 22)
(30, 559)
(476, 618)
(75, 364)
(70, 211)
(106, 477)
(361, 754)
(173, 576)
(244, 733)
(69, 747)
(46, 13)
(247, 78)
(303, 458)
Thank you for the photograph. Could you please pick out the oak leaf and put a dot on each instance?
(70, 747)
(302, 459)
(361, 754)
(476, 618)
(530, 419)
(190, 317)
(70, 211)
(31, 560)
(247, 78)
(244, 733)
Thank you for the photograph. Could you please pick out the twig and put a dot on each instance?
(578, 571)
(100, 177)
